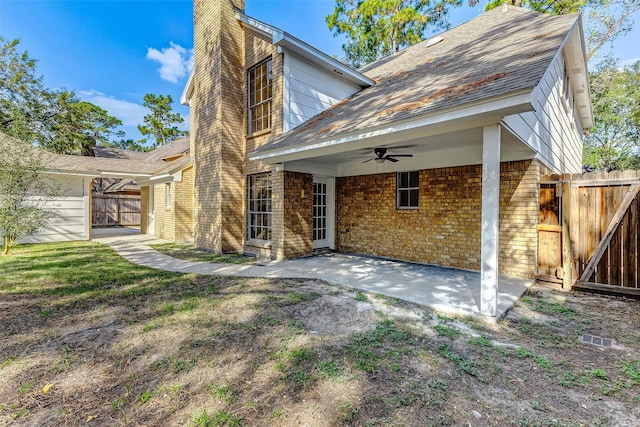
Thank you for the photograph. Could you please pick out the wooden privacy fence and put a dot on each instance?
(589, 231)
(115, 209)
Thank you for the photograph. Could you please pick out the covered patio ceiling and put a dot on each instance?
(456, 148)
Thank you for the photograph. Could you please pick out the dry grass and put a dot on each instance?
(89, 339)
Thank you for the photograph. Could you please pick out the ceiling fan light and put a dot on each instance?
(379, 160)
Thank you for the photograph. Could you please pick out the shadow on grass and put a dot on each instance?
(128, 344)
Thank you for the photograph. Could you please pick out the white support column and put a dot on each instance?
(490, 208)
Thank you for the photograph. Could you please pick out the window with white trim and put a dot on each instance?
(168, 192)
(259, 206)
(408, 189)
(260, 95)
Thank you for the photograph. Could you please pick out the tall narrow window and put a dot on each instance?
(260, 94)
(259, 215)
(168, 190)
(408, 188)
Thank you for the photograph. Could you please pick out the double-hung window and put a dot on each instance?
(260, 95)
(408, 188)
(259, 215)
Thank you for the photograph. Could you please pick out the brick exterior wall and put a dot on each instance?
(183, 207)
(175, 222)
(224, 51)
(144, 210)
(519, 216)
(164, 220)
(298, 214)
(445, 230)
(218, 126)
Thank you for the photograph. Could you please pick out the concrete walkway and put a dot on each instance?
(442, 289)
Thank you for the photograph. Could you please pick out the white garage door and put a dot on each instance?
(74, 220)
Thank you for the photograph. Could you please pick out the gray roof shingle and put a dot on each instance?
(494, 54)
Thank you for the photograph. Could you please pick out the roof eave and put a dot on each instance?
(492, 109)
(293, 44)
(574, 55)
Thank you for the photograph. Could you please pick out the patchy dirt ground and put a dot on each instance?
(139, 347)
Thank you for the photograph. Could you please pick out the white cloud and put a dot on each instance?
(629, 62)
(130, 113)
(175, 61)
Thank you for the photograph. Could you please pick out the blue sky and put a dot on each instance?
(113, 52)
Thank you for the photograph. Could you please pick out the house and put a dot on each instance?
(281, 135)
(162, 168)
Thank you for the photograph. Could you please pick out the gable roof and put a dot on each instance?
(118, 153)
(116, 162)
(284, 40)
(502, 52)
(176, 148)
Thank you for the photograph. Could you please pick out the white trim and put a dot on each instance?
(72, 173)
(490, 218)
(490, 111)
(282, 39)
(286, 106)
(151, 212)
(330, 241)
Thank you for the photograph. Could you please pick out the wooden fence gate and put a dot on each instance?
(115, 209)
(589, 231)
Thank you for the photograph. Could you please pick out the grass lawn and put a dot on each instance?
(87, 338)
(191, 253)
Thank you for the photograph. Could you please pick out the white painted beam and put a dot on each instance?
(490, 211)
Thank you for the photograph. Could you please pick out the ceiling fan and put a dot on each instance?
(382, 156)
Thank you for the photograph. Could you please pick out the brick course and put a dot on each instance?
(445, 230)
(217, 128)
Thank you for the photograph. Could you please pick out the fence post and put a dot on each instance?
(567, 253)
(118, 211)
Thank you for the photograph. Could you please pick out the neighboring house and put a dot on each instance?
(280, 130)
(167, 166)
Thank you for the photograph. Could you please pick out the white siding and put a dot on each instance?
(309, 90)
(553, 132)
(72, 206)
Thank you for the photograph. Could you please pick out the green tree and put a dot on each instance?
(128, 144)
(26, 106)
(553, 7)
(25, 191)
(613, 141)
(606, 20)
(55, 120)
(79, 126)
(376, 28)
(161, 123)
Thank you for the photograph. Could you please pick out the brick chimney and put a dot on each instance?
(217, 125)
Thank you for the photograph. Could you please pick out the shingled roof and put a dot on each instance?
(114, 161)
(502, 51)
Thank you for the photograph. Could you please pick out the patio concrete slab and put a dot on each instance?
(446, 290)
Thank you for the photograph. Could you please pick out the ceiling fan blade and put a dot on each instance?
(373, 158)
(391, 159)
(401, 155)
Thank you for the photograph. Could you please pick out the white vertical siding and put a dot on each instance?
(552, 131)
(73, 208)
(309, 90)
